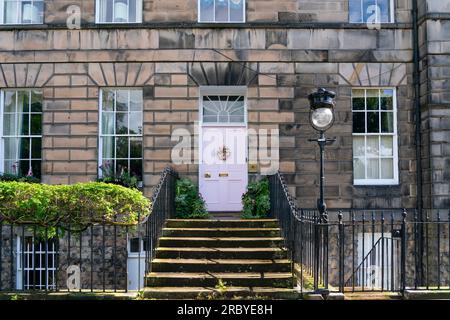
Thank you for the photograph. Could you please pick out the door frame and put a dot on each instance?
(220, 90)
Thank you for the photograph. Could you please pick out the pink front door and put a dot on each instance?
(223, 167)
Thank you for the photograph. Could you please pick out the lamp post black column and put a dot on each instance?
(321, 119)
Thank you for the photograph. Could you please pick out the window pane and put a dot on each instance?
(387, 169)
(11, 148)
(355, 11)
(108, 100)
(36, 148)
(24, 167)
(36, 168)
(32, 12)
(108, 122)
(359, 169)
(36, 124)
(134, 245)
(121, 123)
(23, 124)
(136, 123)
(387, 122)
(358, 103)
(222, 10)
(121, 166)
(387, 146)
(373, 170)
(385, 15)
(373, 122)
(11, 11)
(122, 148)
(136, 168)
(358, 146)
(108, 147)
(373, 103)
(105, 10)
(359, 123)
(237, 10)
(10, 101)
(368, 9)
(206, 10)
(23, 101)
(9, 124)
(36, 101)
(136, 100)
(122, 100)
(133, 11)
(24, 146)
(387, 99)
(120, 11)
(135, 147)
(372, 146)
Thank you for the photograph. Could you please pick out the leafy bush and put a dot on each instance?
(13, 177)
(189, 203)
(76, 205)
(256, 200)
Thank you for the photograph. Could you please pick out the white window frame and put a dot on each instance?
(214, 21)
(391, 18)
(394, 135)
(19, 17)
(52, 271)
(2, 135)
(101, 135)
(139, 14)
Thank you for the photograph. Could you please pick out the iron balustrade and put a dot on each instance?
(363, 249)
(30, 260)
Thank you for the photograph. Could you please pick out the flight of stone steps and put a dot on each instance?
(221, 259)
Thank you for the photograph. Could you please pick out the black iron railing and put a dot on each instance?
(97, 258)
(364, 250)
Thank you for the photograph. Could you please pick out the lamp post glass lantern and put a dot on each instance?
(322, 117)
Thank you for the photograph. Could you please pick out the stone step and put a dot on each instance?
(199, 223)
(168, 279)
(220, 265)
(217, 242)
(175, 293)
(221, 253)
(221, 232)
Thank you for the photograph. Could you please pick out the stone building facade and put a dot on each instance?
(282, 52)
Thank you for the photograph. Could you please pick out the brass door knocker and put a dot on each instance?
(223, 153)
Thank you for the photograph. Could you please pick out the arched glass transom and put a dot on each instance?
(224, 109)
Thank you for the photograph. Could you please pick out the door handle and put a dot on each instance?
(223, 174)
(207, 175)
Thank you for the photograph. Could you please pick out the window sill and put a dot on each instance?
(376, 184)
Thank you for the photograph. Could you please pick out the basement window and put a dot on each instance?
(225, 11)
(371, 11)
(22, 11)
(118, 11)
(36, 264)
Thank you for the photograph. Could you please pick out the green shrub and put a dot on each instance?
(76, 205)
(189, 203)
(256, 200)
(13, 177)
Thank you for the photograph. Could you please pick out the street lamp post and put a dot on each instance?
(322, 118)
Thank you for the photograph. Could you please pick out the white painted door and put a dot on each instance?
(223, 172)
(135, 264)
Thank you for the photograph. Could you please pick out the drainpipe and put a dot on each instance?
(418, 133)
